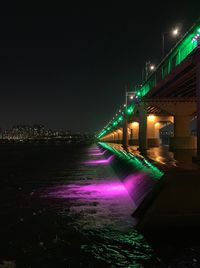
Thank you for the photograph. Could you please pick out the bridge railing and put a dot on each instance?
(177, 54)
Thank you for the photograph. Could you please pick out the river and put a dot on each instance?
(65, 206)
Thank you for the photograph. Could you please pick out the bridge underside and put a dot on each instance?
(175, 99)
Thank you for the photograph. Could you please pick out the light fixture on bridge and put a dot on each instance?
(135, 124)
(149, 67)
(157, 124)
(174, 32)
(129, 95)
(152, 67)
(151, 117)
(196, 37)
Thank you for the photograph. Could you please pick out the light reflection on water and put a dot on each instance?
(107, 202)
(101, 208)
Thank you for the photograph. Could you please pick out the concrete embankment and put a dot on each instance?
(137, 174)
(173, 204)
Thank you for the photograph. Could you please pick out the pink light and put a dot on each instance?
(94, 149)
(138, 185)
(97, 190)
(99, 162)
(98, 154)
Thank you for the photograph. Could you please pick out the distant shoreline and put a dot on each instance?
(45, 142)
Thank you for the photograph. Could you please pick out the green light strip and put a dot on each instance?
(177, 54)
(139, 164)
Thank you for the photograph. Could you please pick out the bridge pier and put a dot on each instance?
(125, 134)
(182, 110)
(182, 134)
(134, 130)
(142, 126)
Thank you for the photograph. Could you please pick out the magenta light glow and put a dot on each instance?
(97, 190)
(94, 151)
(100, 161)
(98, 154)
(138, 185)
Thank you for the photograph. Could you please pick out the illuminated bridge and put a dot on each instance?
(170, 94)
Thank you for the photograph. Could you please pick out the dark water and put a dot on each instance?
(59, 209)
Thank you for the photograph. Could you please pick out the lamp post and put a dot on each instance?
(125, 141)
(149, 67)
(174, 32)
(129, 96)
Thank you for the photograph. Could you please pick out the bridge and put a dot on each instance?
(170, 94)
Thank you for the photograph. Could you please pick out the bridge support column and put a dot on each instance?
(142, 127)
(115, 136)
(125, 134)
(152, 140)
(119, 137)
(134, 129)
(131, 134)
(182, 138)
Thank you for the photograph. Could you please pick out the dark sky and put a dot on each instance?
(70, 71)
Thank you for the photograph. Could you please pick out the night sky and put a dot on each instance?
(70, 71)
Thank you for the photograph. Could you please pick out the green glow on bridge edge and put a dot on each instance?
(173, 59)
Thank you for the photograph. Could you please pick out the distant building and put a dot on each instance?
(38, 132)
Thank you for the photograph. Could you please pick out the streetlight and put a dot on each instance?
(174, 32)
(129, 95)
(149, 67)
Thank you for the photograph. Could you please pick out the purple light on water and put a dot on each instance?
(100, 161)
(138, 185)
(98, 154)
(104, 189)
(94, 151)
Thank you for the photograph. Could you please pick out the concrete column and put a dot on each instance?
(142, 127)
(131, 134)
(115, 136)
(182, 135)
(134, 129)
(125, 134)
(182, 125)
(120, 136)
(152, 140)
